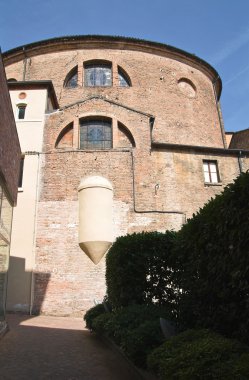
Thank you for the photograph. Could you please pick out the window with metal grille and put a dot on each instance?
(211, 174)
(98, 75)
(95, 134)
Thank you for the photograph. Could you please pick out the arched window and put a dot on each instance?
(96, 134)
(123, 78)
(71, 80)
(11, 80)
(98, 74)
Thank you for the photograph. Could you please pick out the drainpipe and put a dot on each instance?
(34, 233)
(219, 112)
(240, 162)
(24, 64)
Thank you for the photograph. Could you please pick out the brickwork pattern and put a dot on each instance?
(10, 152)
(154, 189)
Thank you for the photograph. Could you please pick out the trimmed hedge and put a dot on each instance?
(139, 342)
(212, 264)
(136, 329)
(200, 354)
(93, 313)
(138, 269)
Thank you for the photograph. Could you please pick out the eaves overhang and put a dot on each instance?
(36, 84)
(197, 149)
(112, 42)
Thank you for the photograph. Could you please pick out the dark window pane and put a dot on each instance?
(95, 134)
(21, 172)
(98, 75)
(21, 112)
(72, 82)
(123, 80)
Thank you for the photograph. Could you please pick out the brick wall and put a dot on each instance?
(10, 152)
(154, 189)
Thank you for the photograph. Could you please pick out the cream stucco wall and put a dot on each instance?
(30, 132)
(30, 129)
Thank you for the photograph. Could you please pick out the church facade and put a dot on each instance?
(145, 117)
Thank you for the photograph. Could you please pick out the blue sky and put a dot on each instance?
(215, 30)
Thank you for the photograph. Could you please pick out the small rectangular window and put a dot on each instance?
(210, 169)
(21, 172)
(21, 111)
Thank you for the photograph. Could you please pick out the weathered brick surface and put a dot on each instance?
(10, 152)
(155, 90)
(154, 188)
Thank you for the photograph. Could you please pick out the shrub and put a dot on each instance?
(212, 264)
(138, 270)
(124, 320)
(136, 329)
(100, 323)
(200, 355)
(93, 313)
(139, 342)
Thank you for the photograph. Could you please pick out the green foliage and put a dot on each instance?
(100, 323)
(136, 329)
(139, 342)
(212, 264)
(138, 269)
(126, 319)
(200, 354)
(93, 313)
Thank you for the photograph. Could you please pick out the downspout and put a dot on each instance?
(219, 112)
(24, 64)
(34, 233)
(240, 162)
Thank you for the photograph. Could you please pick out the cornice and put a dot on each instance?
(112, 42)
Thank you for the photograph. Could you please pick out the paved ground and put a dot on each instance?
(58, 348)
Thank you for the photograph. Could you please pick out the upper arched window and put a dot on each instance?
(96, 133)
(71, 80)
(98, 74)
(123, 78)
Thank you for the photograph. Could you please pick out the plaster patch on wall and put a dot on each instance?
(54, 225)
(120, 219)
(140, 221)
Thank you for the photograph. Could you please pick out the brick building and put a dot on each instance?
(142, 115)
(10, 154)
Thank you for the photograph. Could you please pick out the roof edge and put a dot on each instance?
(20, 52)
(48, 84)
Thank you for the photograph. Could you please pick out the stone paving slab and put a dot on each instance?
(42, 347)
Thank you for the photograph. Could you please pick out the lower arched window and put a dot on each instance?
(95, 134)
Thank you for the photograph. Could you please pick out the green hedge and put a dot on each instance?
(93, 313)
(138, 269)
(140, 341)
(136, 329)
(202, 355)
(212, 264)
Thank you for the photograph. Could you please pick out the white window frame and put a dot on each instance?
(211, 172)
